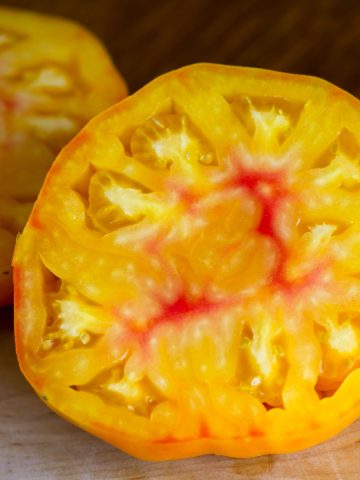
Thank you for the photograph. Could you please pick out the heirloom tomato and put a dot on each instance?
(188, 280)
(54, 76)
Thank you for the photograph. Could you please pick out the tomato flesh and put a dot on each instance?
(188, 280)
(49, 88)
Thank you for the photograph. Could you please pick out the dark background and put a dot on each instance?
(149, 37)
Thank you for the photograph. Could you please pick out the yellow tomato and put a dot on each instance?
(188, 281)
(54, 76)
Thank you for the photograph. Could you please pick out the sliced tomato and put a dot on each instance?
(54, 77)
(188, 281)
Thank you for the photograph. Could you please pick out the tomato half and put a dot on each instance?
(188, 281)
(54, 77)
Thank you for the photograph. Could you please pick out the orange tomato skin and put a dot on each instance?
(302, 414)
(55, 76)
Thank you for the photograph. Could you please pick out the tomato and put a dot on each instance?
(188, 281)
(54, 76)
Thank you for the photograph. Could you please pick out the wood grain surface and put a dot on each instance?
(149, 37)
(145, 39)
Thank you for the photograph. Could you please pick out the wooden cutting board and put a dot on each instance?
(36, 444)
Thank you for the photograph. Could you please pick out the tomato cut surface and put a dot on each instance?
(54, 77)
(188, 281)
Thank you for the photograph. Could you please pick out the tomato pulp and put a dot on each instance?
(188, 281)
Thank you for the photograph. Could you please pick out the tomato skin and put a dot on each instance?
(215, 409)
(49, 88)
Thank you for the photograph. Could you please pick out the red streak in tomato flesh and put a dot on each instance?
(178, 312)
(267, 189)
(184, 195)
(187, 197)
(182, 307)
(256, 184)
